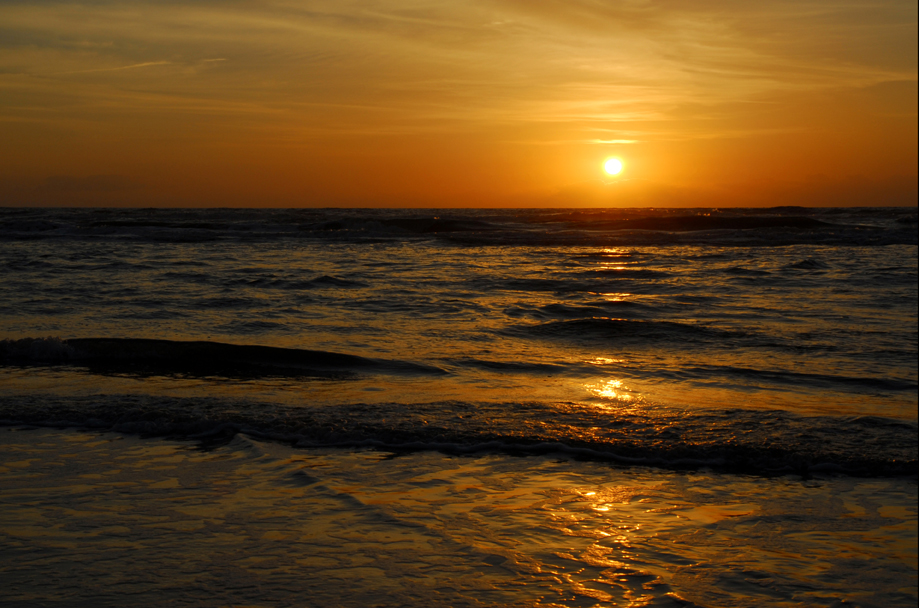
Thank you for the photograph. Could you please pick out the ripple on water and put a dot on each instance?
(250, 522)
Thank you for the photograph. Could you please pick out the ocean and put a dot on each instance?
(410, 407)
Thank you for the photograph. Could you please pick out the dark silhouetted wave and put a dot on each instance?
(711, 373)
(733, 440)
(525, 227)
(196, 358)
(571, 311)
(609, 330)
(693, 223)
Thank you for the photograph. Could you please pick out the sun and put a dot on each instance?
(613, 166)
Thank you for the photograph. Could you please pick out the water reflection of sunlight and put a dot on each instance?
(617, 252)
(615, 297)
(611, 389)
(605, 361)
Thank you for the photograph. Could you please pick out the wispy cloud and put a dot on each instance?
(467, 74)
(119, 68)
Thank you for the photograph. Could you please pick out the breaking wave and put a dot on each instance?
(733, 440)
(196, 358)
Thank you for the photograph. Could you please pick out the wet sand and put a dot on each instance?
(104, 519)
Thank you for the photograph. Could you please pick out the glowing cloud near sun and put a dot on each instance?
(613, 166)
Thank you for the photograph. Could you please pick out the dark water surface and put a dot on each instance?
(767, 342)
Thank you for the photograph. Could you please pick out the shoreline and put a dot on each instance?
(103, 518)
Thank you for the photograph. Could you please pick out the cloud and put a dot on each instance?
(147, 85)
(146, 64)
(587, 60)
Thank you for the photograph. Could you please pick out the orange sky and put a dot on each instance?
(458, 103)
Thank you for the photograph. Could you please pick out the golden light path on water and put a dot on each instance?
(611, 389)
(258, 523)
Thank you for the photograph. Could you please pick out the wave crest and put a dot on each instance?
(196, 358)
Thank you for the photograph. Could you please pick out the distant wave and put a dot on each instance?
(282, 283)
(692, 223)
(522, 367)
(610, 330)
(572, 311)
(507, 227)
(196, 358)
(712, 373)
(740, 271)
(733, 440)
(807, 264)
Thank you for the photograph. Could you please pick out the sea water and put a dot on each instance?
(542, 407)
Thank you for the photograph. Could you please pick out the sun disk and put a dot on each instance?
(612, 166)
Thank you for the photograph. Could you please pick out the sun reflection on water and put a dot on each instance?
(615, 297)
(537, 532)
(617, 252)
(613, 390)
(605, 361)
